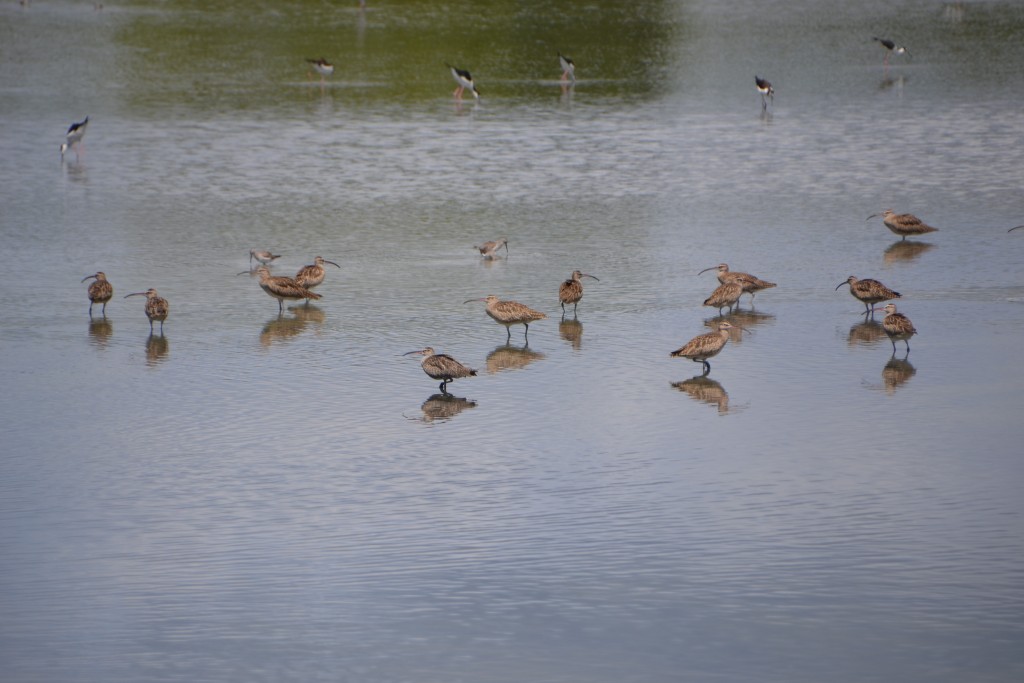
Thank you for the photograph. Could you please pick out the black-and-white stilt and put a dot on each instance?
(890, 48)
(465, 80)
(766, 90)
(322, 67)
(73, 138)
(568, 68)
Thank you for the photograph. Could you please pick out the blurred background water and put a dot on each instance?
(264, 497)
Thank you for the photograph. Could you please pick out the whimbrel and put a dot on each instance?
(74, 136)
(262, 256)
(903, 224)
(705, 346)
(465, 80)
(751, 284)
(726, 294)
(489, 249)
(897, 326)
(509, 313)
(100, 292)
(568, 68)
(571, 291)
(312, 275)
(442, 366)
(868, 291)
(282, 288)
(157, 307)
(890, 47)
(766, 90)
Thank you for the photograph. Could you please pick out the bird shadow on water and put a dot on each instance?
(741, 319)
(100, 331)
(157, 349)
(703, 389)
(282, 328)
(895, 374)
(903, 250)
(508, 357)
(867, 333)
(442, 407)
(572, 332)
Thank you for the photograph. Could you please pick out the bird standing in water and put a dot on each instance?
(465, 80)
(322, 67)
(282, 288)
(903, 224)
(509, 313)
(73, 138)
(868, 291)
(766, 90)
(568, 68)
(489, 249)
(312, 275)
(571, 291)
(897, 326)
(100, 292)
(705, 346)
(890, 48)
(157, 307)
(442, 366)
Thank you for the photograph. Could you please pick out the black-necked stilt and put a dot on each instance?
(568, 68)
(322, 67)
(890, 47)
(74, 137)
(465, 80)
(766, 90)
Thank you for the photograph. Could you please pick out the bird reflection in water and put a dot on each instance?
(896, 373)
(867, 333)
(441, 407)
(508, 357)
(706, 390)
(740, 320)
(157, 348)
(100, 330)
(905, 251)
(572, 332)
(282, 328)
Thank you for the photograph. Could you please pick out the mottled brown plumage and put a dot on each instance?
(157, 307)
(509, 313)
(100, 292)
(868, 291)
(705, 346)
(903, 224)
(312, 275)
(726, 294)
(442, 366)
(751, 284)
(897, 326)
(282, 288)
(706, 390)
(490, 249)
(571, 291)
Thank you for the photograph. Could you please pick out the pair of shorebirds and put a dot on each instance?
(101, 292)
(287, 288)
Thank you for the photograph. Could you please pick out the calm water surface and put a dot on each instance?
(264, 497)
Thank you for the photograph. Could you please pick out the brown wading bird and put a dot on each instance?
(157, 307)
(751, 284)
(282, 288)
(903, 224)
(100, 292)
(312, 275)
(571, 291)
(1014, 228)
(727, 294)
(868, 291)
(705, 346)
(264, 257)
(442, 366)
(509, 313)
(490, 249)
(897, 326)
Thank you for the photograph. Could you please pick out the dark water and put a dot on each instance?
(260, 497)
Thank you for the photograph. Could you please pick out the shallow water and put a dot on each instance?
(260, 497)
